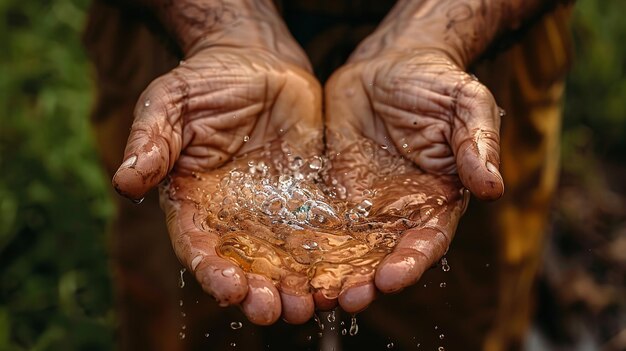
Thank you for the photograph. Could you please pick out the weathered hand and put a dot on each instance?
(220, 103)
(421, 106)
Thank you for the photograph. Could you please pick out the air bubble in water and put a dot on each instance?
(235, 325)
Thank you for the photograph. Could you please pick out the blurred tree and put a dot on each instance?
(55, 291)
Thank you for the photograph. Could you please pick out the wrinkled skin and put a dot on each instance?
(219, 103)
(197, 117)
(420, 105)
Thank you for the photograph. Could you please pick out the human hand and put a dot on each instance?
(421, 106)
(231, 94)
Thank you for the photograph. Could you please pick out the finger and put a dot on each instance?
(418, 250)
(323, 303)
(155, 138)
(476, 141)
(262, 304)
(297, 309)
(357, 298)
(196, 249)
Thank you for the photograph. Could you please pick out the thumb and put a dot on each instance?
(155, 138)
(476, 141)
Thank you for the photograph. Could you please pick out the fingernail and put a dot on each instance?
(195, 262)
(492, 168)
(130, 162)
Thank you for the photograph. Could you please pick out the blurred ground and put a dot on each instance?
(55, 289)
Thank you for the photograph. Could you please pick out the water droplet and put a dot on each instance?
(232, 344)
(181, 335)
(308, 338)
(405, 145)
(206, 335)
(316, 163)
(319, 322)
(442, 285)
(501, 112)
(181, 280)
(181, 62)
(331, 316)
(441, 336)
(436, 327)
(441, 348)
(354, 327)
(296, 163)
(228, 272)
(384, 147)
(183, 314)
(473, 76)
(235, 325)
(146, 103)
(138, 201)
(183, 327)
(180, 303)
(344, 332)
(444, 265)
(390, 345)
(246, 139)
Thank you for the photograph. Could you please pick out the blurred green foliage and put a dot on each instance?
(595, 110)
(55, 289)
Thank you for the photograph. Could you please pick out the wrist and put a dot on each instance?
(199, 24)
(461, 29)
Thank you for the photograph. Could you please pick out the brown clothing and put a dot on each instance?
(487, 299)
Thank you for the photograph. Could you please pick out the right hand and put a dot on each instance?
(221, 102)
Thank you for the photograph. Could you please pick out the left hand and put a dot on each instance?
(421, 107)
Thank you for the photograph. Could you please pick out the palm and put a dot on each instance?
(219, 104)
(438, 124)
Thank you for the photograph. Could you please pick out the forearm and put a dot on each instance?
(461, 28)
(237, 23)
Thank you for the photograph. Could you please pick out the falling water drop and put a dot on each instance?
(235, 325)
(206, 335)
(138, 201)
(442, 285)
(390, 345)
(354, 327)
(331, 316)
(181, 280)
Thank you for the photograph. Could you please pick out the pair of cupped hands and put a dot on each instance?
(224, 101)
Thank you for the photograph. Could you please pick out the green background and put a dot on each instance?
(55, 203)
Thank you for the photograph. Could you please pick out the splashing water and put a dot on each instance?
(305, 223)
